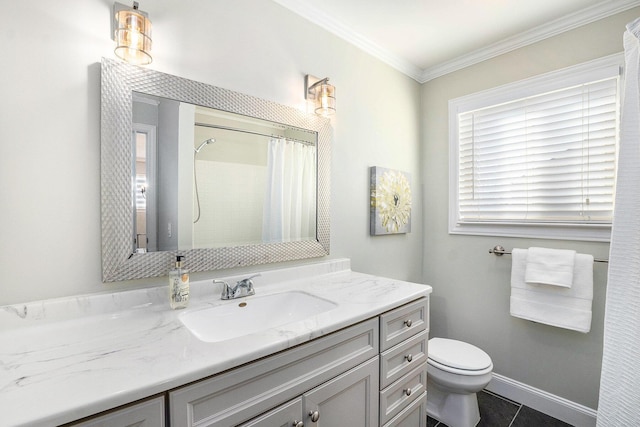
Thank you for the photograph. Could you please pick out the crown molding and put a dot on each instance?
(550, 29)
(334, 26)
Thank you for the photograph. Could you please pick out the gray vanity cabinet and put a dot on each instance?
(313, 371)
(367, 375)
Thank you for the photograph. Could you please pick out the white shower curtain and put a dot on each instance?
(619, 403)
(290, 203)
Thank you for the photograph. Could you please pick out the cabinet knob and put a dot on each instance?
(409, 357)
(315, 416)
(297, 423)
(408, 322)
(407, 391)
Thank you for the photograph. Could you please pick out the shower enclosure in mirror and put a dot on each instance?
(230, 180)
(223, 178)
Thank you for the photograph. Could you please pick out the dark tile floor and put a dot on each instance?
(497, 411)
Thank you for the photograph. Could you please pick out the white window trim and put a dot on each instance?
(571, 76)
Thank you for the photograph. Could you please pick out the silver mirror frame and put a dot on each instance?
(118, 81)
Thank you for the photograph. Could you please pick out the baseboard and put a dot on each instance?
(550, 404)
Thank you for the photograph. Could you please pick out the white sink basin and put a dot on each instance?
(252, 314)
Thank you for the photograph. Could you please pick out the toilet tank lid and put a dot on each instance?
(458, 354)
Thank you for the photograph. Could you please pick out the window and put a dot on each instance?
(537, 158)
(141, 189)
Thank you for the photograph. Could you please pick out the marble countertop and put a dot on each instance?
(65, 359)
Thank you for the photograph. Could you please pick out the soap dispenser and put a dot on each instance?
(178, 285)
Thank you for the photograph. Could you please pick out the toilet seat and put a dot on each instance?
(458, 357)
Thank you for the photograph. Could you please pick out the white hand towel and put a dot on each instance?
(568, 308)
(550, 266)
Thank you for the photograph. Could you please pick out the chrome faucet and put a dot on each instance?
(243, 288)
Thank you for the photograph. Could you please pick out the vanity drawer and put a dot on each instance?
(403, 322)
(402, 358)
(414, 415)
(400, 394)
(245, 392)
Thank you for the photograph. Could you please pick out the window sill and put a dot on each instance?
(588, 233)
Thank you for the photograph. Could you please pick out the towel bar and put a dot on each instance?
(499, 251)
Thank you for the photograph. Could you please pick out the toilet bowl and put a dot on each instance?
(456, 371)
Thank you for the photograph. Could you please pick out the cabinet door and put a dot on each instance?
(145, 414)
(287, 415)
(350, 399)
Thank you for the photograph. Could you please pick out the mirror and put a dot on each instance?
(207, 178)
(193, 169)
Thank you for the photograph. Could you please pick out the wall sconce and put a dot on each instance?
(321, 93)
(131, 29)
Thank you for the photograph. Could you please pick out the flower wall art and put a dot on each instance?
(390, 201)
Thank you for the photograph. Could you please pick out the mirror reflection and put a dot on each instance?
(206, 178)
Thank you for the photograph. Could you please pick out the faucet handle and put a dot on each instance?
(251, 277)
(244, 287)
(226, 290)
(247, 281)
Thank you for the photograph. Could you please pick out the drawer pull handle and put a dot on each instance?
(315, 416)
(407, 391)
(409, 357)
(297, 423)
(408, 322)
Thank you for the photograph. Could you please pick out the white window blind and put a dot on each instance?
(542, 155)
(544, 158)
(141, 189)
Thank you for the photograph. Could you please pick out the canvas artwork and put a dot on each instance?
(390, 201)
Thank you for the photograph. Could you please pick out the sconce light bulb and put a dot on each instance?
(325, 99)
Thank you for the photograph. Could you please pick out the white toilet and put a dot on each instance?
(456, 371)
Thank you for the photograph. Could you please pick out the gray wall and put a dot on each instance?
(471, 287)
(50, 184)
